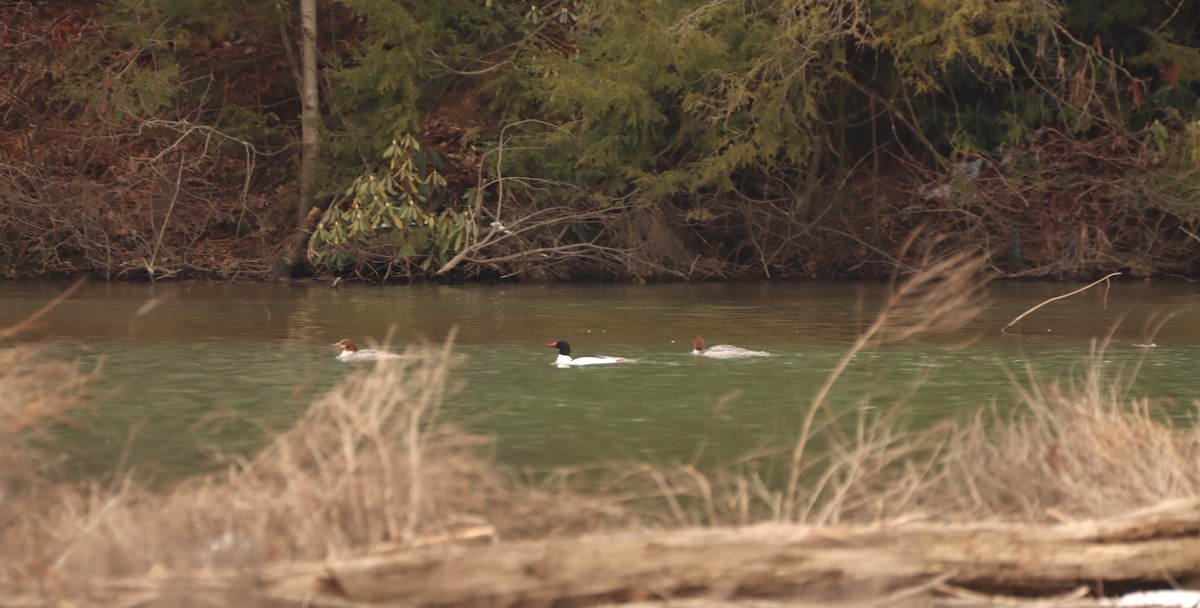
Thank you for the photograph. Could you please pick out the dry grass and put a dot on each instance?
(943, 296)
(1069, 448)
(34, 394)
(1074, 448)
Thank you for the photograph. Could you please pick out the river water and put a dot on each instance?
(193, 368)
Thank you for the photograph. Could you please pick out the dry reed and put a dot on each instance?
(1074, 448)
(35, 393)
(942, 296)
(1069, 448)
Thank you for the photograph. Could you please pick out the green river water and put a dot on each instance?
(176, 357)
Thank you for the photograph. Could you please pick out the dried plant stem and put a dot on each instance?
(25, 323)
(424, 410)
(941, 297)
(150, 268)
(1065, 295)
(810, 416)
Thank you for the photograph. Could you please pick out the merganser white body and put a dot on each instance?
(565, 360)
(723, 351)
(351, 352)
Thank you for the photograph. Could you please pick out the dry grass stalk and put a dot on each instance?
(943, 296)
(1072, 449)
(369, 468)
(35, 393)
(29, 321)
(369, 463)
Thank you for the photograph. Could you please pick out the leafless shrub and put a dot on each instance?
(89, 185)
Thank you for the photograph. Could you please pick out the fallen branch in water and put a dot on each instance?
(1065, 295)
(27, 322)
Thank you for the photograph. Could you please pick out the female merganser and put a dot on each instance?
(723, 351)
(350, 352)
(564, 357)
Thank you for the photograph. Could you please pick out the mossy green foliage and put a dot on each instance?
(694, 103)
(673, 96)
(390, 215)
(219, 63)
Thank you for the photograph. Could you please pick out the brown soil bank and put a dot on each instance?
(152, 211)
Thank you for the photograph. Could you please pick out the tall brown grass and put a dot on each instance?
(35, 393)
(942, 296)
(1076, 447)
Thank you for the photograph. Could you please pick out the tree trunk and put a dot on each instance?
(1153, 548)
(310, 99)
(310, 133)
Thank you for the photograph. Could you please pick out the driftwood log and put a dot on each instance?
(1152, 548)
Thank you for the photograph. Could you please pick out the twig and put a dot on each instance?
(163, 229)
(1065, 295)
(37, 314)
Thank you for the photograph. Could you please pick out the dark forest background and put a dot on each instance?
(598, 139)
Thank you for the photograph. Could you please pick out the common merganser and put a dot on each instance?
(723, 351)
(564, 357)
(351, 352)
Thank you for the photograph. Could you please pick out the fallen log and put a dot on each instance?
(1155, 547)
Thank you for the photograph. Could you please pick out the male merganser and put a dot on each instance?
(350, 352)
(564, 357)
(723, 351)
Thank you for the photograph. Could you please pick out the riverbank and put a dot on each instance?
(1056, 147)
